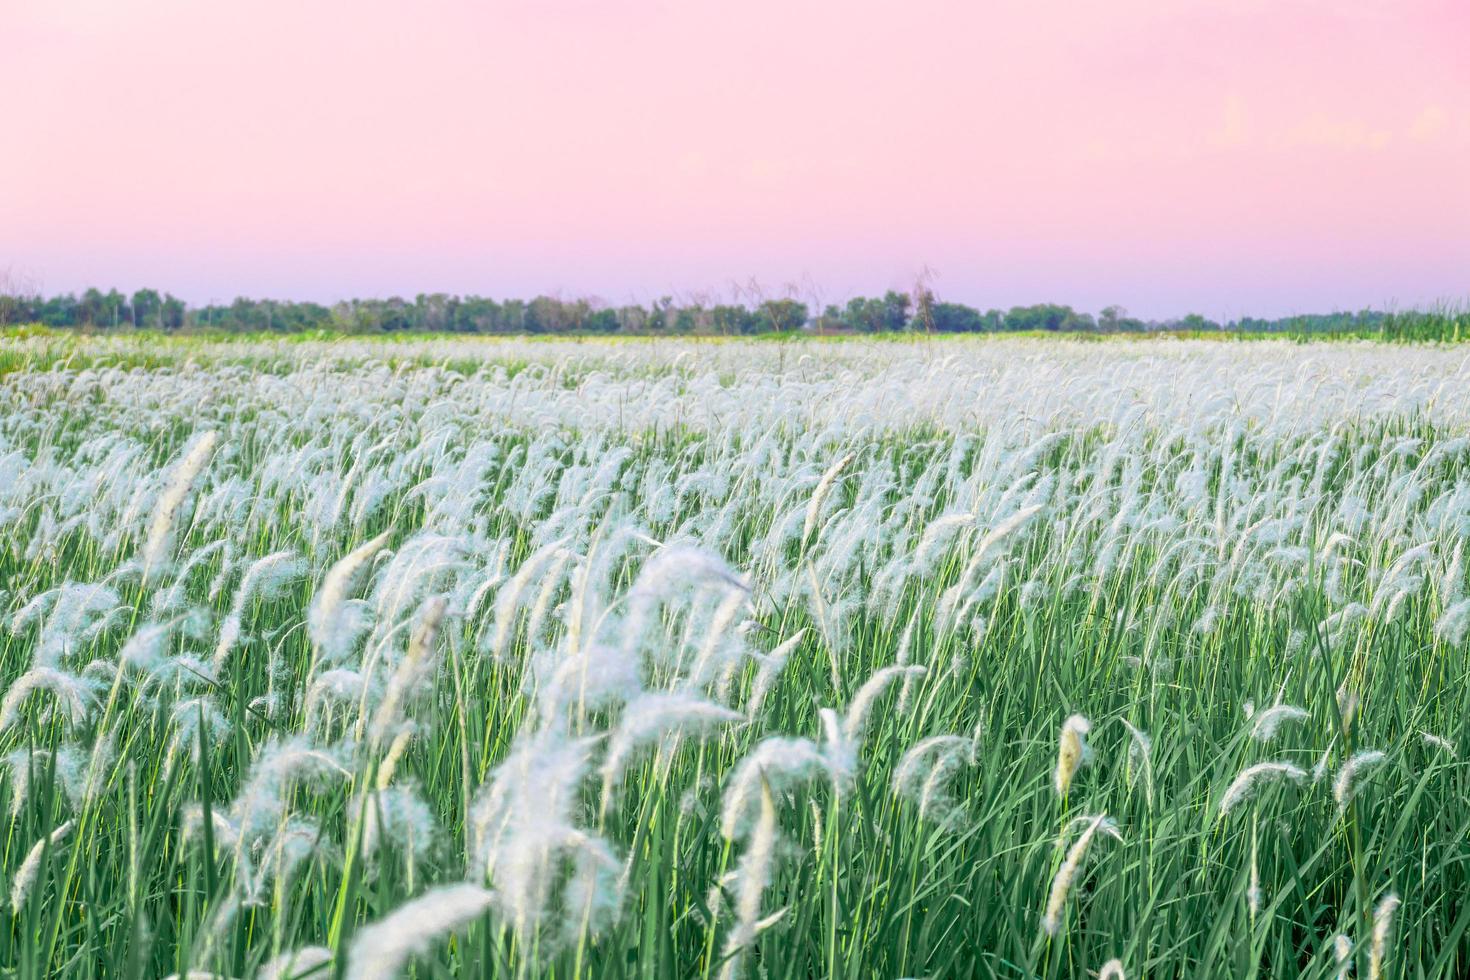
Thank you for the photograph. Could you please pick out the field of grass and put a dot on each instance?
(983, 657)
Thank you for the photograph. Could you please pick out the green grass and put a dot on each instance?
(1173, 619)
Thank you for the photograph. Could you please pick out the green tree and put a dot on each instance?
(780, 315)
(147, 305)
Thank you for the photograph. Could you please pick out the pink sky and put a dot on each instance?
(1229, 157)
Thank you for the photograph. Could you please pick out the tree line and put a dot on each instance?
(893, 312)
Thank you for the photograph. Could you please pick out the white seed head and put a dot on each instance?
(1350, 775)
(380, 951)
(1382, 926)
(1061, 884)
(1072, 752)
(1241, 788)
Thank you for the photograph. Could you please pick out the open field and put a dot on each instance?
(972, 657)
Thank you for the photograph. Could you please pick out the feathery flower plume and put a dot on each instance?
(1253, 890)
(1443, 744)
(649, 717)
(771, 665)
(1245, 784)
(1342, 954)
(596, 676)
(72, 693)
(156, 549)
(855, 724)
(752, 877)
(1382, 926)
(1112, 970)
(1453, 625)
(307, 961)
(25, 875)
(1452, 583)
(1072, 751)
(936, 534)
(1347, 706)
(1350, 775)
(279, 766)
(672, 569)
(819, 497)
(523, 840)
(398, 815)
(508, 599)
(265, 577)
(379, 951)
(144, 649)
(775, 760)
(1001, 531)
(172, 598)
(21, 762)
(1140, 754)
(923, 773)
(1269, 721)
(333, 621)
(1061, 885)
(905, 653)
(389, 765)
(411, 671)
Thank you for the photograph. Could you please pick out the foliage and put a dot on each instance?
(892, 313)
(619, 659)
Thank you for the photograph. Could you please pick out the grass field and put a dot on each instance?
(991, 656)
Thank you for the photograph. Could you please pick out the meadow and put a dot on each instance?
(664, 659)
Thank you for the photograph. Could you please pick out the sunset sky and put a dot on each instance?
(1227, 157)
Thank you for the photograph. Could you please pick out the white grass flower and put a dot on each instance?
(1061, 884)
(307, 961)
(673, 569)
(173, 598)
(1443, 744)
(855, 724)
(25, 875)
(1454, 624)
(1342, 955)
(819, 497)
(778, 761)
(508, 599)
(21, 764)
(652, 716)
(265, 578)
(72, 694)
(144, 650)
(279, 766)
(156, 555)
(397, 815)
(380, 951)
(1347, 706)
(1253, 895)
(1140, 759)
(187, 717)
(288, 848)
(1072, 752)
(1268, 722)
(333, 621)
(1241, 788)
(936, 534)
(1382, 926)
(752, 877)
(1351, 774)
(595, 676)
(1112, 970)
(412, 671)
(923, 774)
(770, 667)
